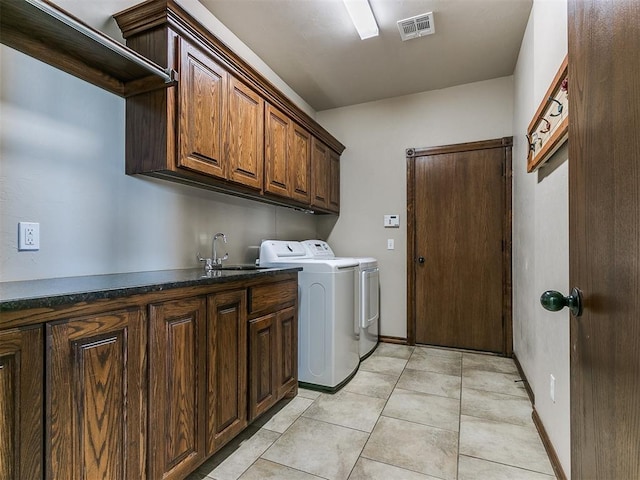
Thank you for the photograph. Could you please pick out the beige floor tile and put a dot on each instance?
(489, 363)
(493, 382)
(385, 365)
(504, 443)
(440, 412)
(424, 449)
(477, 469)
(393, 350)
(367, 469)
(430, 382)
(496, 406)
(266, 470)
(241, 459)
(372, 384)
(442, 352)
(197, 476)
(319, 448)
(435, 363)
(288, 414)
(306, 393)
(347, 410)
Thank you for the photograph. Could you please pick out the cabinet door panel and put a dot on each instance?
(21, 404)
(96, 408)
(300, 142)
(245, 135)
(227, 367)
(334, 182)
(262, 357)
(287, 351)
(277, 165)
(202, 92)
(177, 354)
(320, 176)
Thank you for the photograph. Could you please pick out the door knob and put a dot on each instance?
(554, 301)
(420, 259)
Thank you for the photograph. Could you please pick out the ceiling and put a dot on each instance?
(313, 46)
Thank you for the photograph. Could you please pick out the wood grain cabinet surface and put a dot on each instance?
(224, 126)
(21, 404)
(147, 386)
(96, 405)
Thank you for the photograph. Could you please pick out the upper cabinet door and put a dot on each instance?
(202, 112)
(300, 148)
(244, 135)
(277, 152)
(334, 182)
(320, 176)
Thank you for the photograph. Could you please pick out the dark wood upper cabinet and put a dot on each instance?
(21, 403)
(334, 182)
(224, 127)
(202, 113)
(287, 157)
(320, 175)
(244, 135)
(277, 131)
(96, 410)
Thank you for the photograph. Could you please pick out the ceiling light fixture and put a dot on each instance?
(362, 18)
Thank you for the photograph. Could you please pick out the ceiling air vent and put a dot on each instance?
(417, 26)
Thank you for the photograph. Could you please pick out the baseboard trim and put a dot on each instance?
(548, 446)
(527, 386)
(396, 340)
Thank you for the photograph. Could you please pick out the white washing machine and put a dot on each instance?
(367, 296)
(327, 346)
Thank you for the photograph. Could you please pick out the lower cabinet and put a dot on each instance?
(273, 355)
(21, 403)
(95, 410)
(147, 389)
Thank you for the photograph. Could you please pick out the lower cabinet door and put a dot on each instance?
(226, 367)
(96, 408)
(287, 352)
(177, 379)
(21, 404)
(263, 384)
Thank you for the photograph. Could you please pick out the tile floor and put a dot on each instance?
(409, 414)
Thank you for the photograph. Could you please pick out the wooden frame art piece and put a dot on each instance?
(549, 128)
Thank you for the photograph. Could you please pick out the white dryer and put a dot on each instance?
(367, 295)
(327, 346)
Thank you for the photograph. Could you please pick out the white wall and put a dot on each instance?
(374, 174)
(62, 165)
(540, 230)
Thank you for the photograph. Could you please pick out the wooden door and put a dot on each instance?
(277, 155)
(300, 164)
(263, 383)
(334, 182)
(286, 351)
(604, 237)
(21, 403)
(96, 405)
(177, 367)
(458, 207)
(226, 367)
(202, 112)
(320, 174)
(244, 135)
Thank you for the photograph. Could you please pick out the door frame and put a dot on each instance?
(505, 143)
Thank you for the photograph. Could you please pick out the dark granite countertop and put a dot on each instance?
(52, 292)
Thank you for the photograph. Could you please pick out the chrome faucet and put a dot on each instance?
(214, 262)
(217, 262)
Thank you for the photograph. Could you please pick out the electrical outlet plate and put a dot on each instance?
(552, 388)
(28, 236)
(391, 244)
